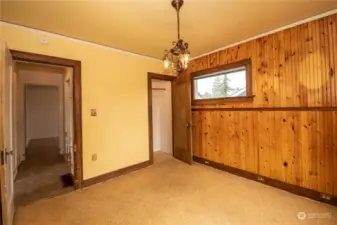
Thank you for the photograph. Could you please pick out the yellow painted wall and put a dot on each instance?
(115, 84)
(1, 2)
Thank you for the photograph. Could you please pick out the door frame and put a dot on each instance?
(77, 104)
(150, 77)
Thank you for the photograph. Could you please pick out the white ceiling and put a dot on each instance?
(148, 27)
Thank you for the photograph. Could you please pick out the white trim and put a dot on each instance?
(27, 141)
(77, 40)
(319, 16)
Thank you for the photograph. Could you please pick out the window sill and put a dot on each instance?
(222, 100)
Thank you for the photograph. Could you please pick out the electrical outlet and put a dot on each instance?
(326, 197)
(260, 179)
(94, 157)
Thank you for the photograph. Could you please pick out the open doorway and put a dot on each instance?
(43, 163)
(160, 117)
(66, 139)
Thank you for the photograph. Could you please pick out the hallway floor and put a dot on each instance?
(171, 192)
(39, 175)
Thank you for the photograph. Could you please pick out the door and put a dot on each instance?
(182, 119)
(7, 140)
(69, 118)
(15, 121)
(156, 100)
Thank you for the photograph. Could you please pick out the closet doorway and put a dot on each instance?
(160, 117)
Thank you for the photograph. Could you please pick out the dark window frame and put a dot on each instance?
(247, 63)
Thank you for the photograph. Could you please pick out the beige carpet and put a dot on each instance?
(173, 193)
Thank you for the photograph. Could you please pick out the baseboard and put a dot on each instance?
(116, 173)
(15, 173)
(305, 192)
(27, 142)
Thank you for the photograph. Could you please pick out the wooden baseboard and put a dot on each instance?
(315, 195)
(267, 109)
(116, 173)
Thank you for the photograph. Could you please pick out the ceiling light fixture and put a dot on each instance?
(177, 57)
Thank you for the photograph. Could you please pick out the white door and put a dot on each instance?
(15, 122)
(69, 118)
(156, 102)
(8, 128)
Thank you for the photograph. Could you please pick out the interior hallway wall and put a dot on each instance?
(39, 75)
(162, 116)
(42, 112)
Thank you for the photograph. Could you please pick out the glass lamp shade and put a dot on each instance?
(184, 60)
(166, 63)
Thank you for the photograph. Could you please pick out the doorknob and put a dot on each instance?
(187, 125)
(9, 152)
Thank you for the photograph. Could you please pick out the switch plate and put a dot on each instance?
(93, 112)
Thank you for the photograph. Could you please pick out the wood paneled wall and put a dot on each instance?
(289, 131)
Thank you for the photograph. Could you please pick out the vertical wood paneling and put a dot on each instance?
(288, 78)
(213, 60)
(305, 157)
(332, 30)
(303, 94)
(322, 71)
(320, 149)
(291, 68)
(289, 150)
(251, 145)
(297, 157)
(326, 156)
(295, 147)
(224, 138)
(334, 150)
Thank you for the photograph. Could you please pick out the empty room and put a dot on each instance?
(168, 112)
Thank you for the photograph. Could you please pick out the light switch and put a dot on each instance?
(93, 112)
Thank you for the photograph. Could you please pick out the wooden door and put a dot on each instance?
(182, 119)
(7, 136)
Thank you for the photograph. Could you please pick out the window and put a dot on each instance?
(226, 83)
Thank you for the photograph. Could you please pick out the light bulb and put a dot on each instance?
(166, 63)
(186, 57)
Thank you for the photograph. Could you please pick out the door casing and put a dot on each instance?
(77, 104)
(150, 77)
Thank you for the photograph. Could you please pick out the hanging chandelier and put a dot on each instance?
(177, 57)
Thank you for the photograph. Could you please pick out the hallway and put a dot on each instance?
(40, 175)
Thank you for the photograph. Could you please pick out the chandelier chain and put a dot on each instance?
(178, 21)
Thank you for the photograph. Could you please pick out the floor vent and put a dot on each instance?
(67, 180)
(326, 197)
(261, 179)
